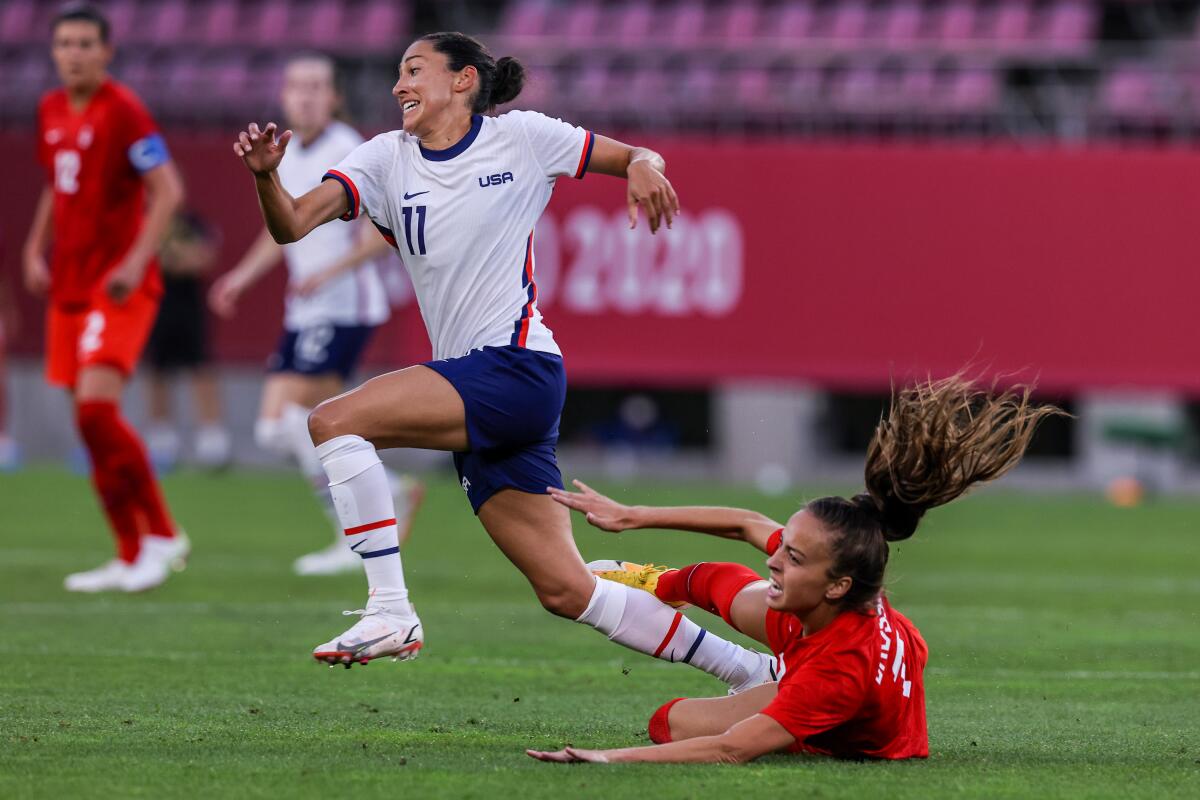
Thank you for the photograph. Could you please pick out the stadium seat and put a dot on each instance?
(383, 25)
(220, 22)
(683, 24)
(1068, 26)
(167, 23)
(17, 21)
(580, 23)
(955, 25)
(525, 18)
(271, 25)
(902, 26)
(634, 23)
(792, 20)
(737, 23)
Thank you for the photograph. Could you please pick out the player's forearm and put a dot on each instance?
(165, 198)
(728, 523)
(39, 230)
(260, 259)
(278, 209)
(701, 750)
(650, 157)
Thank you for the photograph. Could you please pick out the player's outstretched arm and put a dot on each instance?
(744, 742)
(288, 218)
(165, 189)
(648, 187)
(260, 258)
(369, 246)
(35, 270)
(609, 515)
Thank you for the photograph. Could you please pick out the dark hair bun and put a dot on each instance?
(510, 79)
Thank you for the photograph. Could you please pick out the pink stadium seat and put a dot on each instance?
(17, 22)
(683, 23)
(220, 23)
(902, 25)
(525, 18)
(847, 24)
(974, 90)
(167, 23)
(580, 22)
(634, 22)
(856, 90)
(1069, 26)
(738, 22)
(1130, 92)
(699, 85)
(956, 24)
(123, 19)
(383, 25)
(917, 87)
(323, 25)
(793, 19)
(1010, 25)
(591, 85)
(753, 88)
(801, 91)
(648, 89)
(272, 25)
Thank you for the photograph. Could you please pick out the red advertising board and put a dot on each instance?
(844, 265)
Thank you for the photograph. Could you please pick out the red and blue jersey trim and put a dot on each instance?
(521, 327)
(585, 157)
(387, 234)
(352, 196)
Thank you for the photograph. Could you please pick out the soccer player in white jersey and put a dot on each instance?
(335, 301)
(459, 194)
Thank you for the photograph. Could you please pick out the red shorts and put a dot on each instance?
(105, 333)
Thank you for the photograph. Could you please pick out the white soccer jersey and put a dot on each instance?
(353, 298)
(462, 220)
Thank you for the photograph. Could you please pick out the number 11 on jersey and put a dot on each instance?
(408, 228)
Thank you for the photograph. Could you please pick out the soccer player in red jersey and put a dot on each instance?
(102, 152)
(849, 666)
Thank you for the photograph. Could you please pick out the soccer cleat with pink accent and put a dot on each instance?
(379, 634)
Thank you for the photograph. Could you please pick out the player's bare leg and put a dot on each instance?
(708, 716)
(414, 407)
(282, 427)
(148, 542)
(213, 446)
(534, 532)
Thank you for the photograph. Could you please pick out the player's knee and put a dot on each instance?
(563, 601)
(325, 422)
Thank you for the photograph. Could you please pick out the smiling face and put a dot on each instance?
(309, 97)
(800, 568)
(431, 95)
(80, 55)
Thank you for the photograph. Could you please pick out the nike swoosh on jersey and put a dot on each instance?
(408, 196)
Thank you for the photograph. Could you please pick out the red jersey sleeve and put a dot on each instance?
(138, 135)
(820, 694)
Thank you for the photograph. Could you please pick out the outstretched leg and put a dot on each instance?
(689, 717)
(534, 532)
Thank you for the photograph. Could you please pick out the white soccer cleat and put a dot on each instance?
(105, 578)
(333, 560)
(763, 672)
(379, 634)
(156, 559)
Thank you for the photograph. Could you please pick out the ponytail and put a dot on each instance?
(938, 440)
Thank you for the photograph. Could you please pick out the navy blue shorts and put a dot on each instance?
(513, 399)
(321, 349)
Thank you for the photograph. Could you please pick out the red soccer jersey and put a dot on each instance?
(94, 159)
(854, 688)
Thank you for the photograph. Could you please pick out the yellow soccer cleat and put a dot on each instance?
(637, 576)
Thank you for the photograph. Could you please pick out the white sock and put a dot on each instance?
(294, 432)
(642, 622)
(363, 500)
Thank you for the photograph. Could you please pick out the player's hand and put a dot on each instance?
(259, 150)
(602, 512)
(122, 280)
(309, 285)
(651, 190)
(37, 275)
(570, 755)
(224, 294)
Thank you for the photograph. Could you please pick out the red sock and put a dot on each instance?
(660, 728)
(121, 470)
(710, 585)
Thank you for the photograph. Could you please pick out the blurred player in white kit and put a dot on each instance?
(335, 300)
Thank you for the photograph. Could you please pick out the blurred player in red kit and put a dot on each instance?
(103, 154)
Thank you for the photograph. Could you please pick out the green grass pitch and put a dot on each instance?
(1064, 658)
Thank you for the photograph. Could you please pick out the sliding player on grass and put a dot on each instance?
(458, 194)
(335, 301)
(849, 665)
